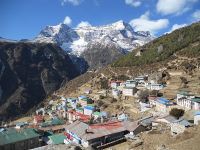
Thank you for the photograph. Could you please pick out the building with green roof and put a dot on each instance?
(56, 139)
(188, 101)
(21, 139)
(52, 122)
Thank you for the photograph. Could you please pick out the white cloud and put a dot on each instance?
(143, 23)
(176, 7)
(67, 20)
(83, 24)
(196, 15)
(134, 3)
(177, 26)
(73, 2)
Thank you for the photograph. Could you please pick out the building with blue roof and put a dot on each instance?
(163, 104)
(88, 110)
(163, 100)
(82, 97)
(197, 117)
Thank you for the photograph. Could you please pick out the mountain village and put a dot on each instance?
(82, 122)
(100, 75)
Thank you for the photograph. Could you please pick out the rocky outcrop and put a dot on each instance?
(99, 56)
(28, 73)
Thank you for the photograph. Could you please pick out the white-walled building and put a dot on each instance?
(115, 84)
(131, 83)
(88, 110)
(184, 94)
(128, 91)
(140, 79)
(188, 101)
(154, 86)
(163, 105)
(115, 93)
(197, 118)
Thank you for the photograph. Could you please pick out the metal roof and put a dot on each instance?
(89, 107)
(183, 122)
(185, 93)
(170, 118)
(163, 100)
(12, 135)
(86, 132)
(197, 113)
(57, 138)
(53, 122)
(196, 99)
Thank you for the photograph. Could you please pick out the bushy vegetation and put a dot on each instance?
(191, 52)
(104, 83)
(177, 112)
(143, 96)
(165, 47)
(121, 77)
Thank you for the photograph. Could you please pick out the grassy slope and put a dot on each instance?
(164, 47)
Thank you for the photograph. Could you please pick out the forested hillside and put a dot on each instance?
(184, 42)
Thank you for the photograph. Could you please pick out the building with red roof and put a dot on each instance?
(101, 135)
(38, 119)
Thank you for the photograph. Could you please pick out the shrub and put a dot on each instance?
(143, 96)
(104, 83)
(177, 112)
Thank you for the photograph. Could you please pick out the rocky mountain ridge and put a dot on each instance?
(30, 72)
(82, 43)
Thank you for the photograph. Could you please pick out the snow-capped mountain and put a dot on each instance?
(94, 46)
(76, 41)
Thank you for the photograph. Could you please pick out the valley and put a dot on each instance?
(101, 87)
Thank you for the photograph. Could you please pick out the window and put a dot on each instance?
(31, 141)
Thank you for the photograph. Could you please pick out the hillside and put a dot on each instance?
(184, 41)
(163, 55)
(30, 72)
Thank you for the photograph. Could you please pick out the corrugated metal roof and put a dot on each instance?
(87, 132)
(185, 93)
(163, 100)
(89, 107)
(53, 122)
(196, 99)
(82, 96)
(170, 118)
(183, 122)
(57, 138)
(12, 135)
(197, 113)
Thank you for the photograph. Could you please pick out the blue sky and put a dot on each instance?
(21, 19)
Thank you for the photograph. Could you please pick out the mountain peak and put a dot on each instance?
(75, 41)
(121, 25)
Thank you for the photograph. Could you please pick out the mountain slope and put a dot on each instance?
(30, 72)
(184, 41)
(175, 53)
(80, 41)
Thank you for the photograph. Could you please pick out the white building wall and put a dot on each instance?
(196, 106)
(88, 112)
(127, 92)
(197, 119)
(113, 85)
(184, 102)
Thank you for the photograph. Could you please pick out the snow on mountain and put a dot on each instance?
(75, 41)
